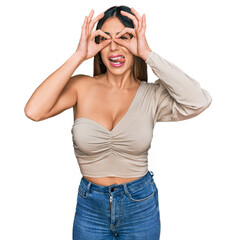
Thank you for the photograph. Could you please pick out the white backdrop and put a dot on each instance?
(39, 174)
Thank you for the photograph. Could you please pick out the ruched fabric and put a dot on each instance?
(123, 151)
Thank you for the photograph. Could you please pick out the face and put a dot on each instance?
(112, 26)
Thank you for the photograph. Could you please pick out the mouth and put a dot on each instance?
(117, 60)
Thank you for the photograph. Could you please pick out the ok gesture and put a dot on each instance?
(87, 47)
(138, 44)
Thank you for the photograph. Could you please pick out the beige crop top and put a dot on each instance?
(123, 151)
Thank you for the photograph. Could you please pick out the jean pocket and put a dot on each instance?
(142, 193)
(82, 191)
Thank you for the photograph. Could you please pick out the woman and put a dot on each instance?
(114, 115)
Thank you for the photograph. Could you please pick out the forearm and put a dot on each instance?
(184, 89)
(47, 93)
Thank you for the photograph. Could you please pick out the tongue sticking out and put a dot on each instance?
(121, 60)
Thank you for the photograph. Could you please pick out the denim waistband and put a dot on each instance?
(118, 187)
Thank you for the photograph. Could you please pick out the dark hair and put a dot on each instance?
(139, 67)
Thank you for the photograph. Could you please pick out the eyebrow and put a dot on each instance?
(110, 34)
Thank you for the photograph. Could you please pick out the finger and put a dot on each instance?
(132, 17)
(143, 23)
(126, 30)
(92, 23)
(90, 16)
(135, 13)
(138, 17)
(99, 32)
(84, 26)
(104, 44)
(84, 23)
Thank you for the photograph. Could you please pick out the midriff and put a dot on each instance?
(107, 181)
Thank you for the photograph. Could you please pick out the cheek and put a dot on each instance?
(103, 53)
(131, 60)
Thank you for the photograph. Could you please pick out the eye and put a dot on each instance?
(103, 38)
(123, 37)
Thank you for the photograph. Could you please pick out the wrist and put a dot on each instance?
(146, 54)
(77, 57)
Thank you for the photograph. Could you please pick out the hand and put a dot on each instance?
(87, 47)
(138, 44)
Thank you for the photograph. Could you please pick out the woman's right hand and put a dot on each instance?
(87, 47)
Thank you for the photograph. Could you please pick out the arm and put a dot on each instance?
(177, 96)
(56, 93)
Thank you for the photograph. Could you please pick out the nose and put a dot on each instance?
(114, 45)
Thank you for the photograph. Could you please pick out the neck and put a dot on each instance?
(119, 82)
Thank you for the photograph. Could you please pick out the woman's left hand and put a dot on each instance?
(138, 44)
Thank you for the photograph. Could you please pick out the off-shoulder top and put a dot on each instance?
(123, 151)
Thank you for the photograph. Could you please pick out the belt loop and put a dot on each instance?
(126, 189)
(88, 187)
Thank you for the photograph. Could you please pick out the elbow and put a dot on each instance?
(29, 115)
(207, 100)
(182, 112)
(202, 107)
(202, 102)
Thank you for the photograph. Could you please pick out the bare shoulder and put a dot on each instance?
(80, 79)
(84, 83)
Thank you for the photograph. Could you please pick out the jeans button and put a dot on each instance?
(112, 189)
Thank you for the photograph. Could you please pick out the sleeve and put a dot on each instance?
(176, 95)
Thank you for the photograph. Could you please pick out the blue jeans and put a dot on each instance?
(128, 211)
